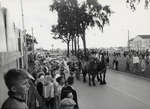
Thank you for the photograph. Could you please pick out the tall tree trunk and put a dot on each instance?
(78, 43)
(68, 49)
(72, 46)
(75, 46)
(84, 43)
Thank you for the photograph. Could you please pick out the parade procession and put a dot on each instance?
(74, 54)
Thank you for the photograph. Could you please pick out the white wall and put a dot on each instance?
(12, 38)
(2, 33)
(8, 59)
(13, 17)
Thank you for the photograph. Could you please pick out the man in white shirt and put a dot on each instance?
(135, 62)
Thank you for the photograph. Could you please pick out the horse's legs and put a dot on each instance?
(98, 79)
(89, 79)
(104, 75)
(93, 79)
(101, 79)
(79, 72)
(77, 75)
(84, 76)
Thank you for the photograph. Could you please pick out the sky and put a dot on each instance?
(38, 16)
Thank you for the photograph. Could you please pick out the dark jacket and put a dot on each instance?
(40, 89)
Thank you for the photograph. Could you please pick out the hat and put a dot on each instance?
(67, 102)
(70, 80)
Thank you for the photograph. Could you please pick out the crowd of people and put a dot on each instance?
(48, 86)
(134, 61)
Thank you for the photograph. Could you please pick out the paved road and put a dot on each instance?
(123, 91)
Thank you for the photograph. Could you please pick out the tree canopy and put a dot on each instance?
(75, 18)
(133, 3)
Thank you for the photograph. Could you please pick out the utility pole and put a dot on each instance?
(25, 55)
(128, 40)
(32, 39)
(22, 14)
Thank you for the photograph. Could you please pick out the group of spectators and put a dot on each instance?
(134, 61)
(49, 86)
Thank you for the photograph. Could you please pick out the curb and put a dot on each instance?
(142, 77)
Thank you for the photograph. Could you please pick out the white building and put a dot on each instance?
(13, 53)
(11, 48)
(140, 43)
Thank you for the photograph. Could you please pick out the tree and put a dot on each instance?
(60, 33)
(30, 41)
(74, 19)
(65, 29)
(66, 26)
(132, 4)
(90, 14)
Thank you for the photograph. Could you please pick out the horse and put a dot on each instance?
(101, 70)
(93, 67)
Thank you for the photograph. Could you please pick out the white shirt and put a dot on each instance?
(136, 59)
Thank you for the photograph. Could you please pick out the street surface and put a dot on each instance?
(122, 91)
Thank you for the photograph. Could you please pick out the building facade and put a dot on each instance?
(11, 49)
(140, 43)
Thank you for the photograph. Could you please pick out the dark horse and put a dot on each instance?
(93, 67)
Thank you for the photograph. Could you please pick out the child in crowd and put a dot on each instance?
(16, 81)
(61, 82)
(49, 92)
(34, 99)
(39, 84)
